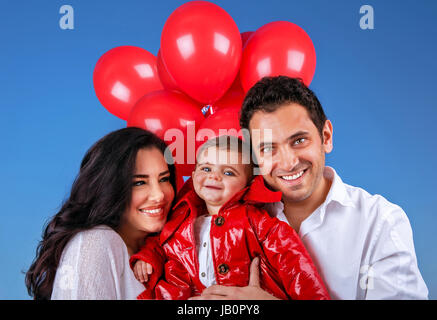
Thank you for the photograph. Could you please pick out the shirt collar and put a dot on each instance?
(337, 192)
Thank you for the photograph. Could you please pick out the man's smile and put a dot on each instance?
(293, 179)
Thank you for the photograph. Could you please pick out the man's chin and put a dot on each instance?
(295, 195)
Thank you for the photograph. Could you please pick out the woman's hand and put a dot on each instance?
(252, 292)
(142, 270)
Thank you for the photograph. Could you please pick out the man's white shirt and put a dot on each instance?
(361, 244)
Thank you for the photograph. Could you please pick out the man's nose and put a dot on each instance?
(288, 159)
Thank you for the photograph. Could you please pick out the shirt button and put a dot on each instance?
(219, 221)
(223, 268)
(203, 274)
(204, 244)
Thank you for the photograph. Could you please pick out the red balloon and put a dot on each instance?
(173, 117)
(245, 36)
(122, 76)
(160, 111)
(166, 79)
(223, 122)
(233, 98)
(201, 48)
(278, 48)
(236, 85)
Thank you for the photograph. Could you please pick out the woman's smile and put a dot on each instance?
(153, 212)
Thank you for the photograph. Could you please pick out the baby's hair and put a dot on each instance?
(231, 143)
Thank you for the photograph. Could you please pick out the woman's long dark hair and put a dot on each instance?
(99, 196)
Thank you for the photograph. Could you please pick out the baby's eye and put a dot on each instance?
(206, 169)
(229, 173)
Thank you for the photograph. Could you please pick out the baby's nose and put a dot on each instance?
(215, 176)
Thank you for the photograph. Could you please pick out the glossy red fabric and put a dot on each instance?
(243, 231)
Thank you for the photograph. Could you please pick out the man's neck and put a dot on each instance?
(297, 211)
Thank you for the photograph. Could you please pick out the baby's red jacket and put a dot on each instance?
(241, 231)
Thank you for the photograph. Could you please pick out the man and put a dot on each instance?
(361, 244)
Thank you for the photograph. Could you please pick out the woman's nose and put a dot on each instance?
(156, 194)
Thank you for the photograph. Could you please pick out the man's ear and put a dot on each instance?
(327, 136)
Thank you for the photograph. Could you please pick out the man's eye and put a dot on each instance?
(266, 149)
(299, 141)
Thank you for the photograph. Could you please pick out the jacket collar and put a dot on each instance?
(189, 203)
(255, 193)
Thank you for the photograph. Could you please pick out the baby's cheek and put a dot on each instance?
(197, 182)
(241, 183)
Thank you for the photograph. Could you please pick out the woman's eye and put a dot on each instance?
(139, 183)
(165, 179)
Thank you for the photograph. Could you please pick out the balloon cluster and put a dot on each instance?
(200, 75)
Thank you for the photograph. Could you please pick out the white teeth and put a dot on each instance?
(151, 211)
(289, 178)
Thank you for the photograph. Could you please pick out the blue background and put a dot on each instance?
(377, 86)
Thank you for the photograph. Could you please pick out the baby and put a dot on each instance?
(217, 227)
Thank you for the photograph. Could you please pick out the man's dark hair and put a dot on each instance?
(271, 93)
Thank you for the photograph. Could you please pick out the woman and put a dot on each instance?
(123, 193)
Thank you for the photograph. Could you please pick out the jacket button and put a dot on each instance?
(219, 221)
(223, 268)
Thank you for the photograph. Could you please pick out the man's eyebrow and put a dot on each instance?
(145, 176)
(262, 144)
(292, 137)
(297, 134)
